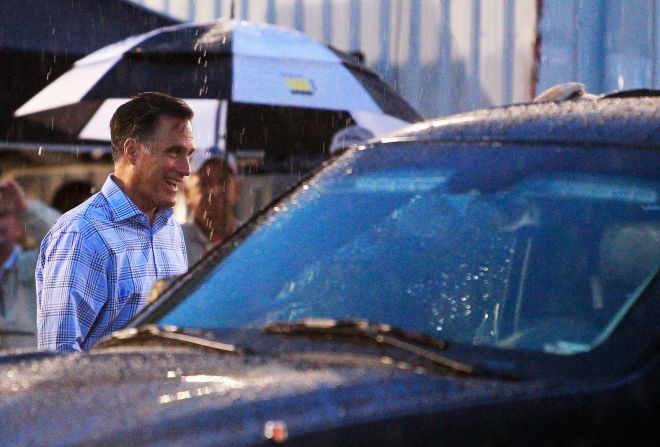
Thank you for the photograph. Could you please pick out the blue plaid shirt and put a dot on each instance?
(97, 265)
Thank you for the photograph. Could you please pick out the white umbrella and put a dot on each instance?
(255, 88)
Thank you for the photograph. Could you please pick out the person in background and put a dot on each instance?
(212, 192)
(98, 262)
(71, 194)
(18, 308)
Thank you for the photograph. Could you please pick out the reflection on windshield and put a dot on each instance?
(494, 246)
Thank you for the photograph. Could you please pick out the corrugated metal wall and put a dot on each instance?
(444, 56)
(606, 44)
(448, 56)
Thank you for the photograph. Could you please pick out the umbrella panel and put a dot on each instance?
(198, 40)
(389, 101)
(184, 76)
(58, 125)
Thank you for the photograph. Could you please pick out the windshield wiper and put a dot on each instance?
(167, 333)
(406, 340)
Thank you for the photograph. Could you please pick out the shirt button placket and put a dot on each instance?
(153, 251)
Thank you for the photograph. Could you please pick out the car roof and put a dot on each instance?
(619, 121)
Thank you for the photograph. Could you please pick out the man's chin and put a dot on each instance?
(167, 203)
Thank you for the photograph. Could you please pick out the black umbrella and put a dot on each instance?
(265, 91)
(40, 40)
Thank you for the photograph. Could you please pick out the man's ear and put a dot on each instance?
(131, 149)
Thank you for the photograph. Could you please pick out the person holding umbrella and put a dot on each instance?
(212, 192)
(98, 262)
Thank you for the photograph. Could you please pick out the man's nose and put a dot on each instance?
(184, 166)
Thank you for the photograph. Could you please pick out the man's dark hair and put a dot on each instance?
(138, 118)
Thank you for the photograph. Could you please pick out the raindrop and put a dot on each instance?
(41, 150)
(402, 365)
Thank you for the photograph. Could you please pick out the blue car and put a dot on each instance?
(489, 278)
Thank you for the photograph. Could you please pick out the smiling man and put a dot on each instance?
(98, 262)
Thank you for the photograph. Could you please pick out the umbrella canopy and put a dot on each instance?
(41, 40)
(257, 89)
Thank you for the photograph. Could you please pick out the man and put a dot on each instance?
(98, 262)
(212, 192)
(18, 308)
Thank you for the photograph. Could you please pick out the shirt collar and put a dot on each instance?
(122, 207)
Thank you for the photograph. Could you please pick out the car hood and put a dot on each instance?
(180, 396)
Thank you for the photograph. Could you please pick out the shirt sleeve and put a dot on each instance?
(71, 290)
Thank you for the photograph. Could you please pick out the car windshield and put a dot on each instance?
(533, 248)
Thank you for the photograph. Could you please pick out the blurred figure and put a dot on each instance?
(71, 194)
(212, 192)
(18, 305)
(349, 136)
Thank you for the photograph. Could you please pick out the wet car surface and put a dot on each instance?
(489, 278)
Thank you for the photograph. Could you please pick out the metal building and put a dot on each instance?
(449, 56)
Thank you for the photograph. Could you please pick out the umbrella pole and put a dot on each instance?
(220, 141)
